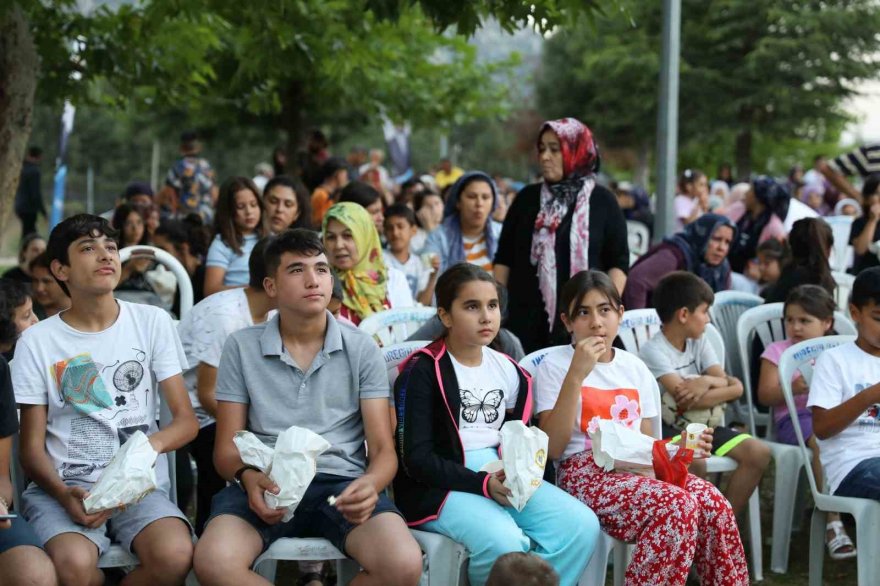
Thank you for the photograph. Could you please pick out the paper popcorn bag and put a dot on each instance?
(291, 465)
(524, 455)
(128, 477)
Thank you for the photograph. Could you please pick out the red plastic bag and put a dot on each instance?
(675, 470)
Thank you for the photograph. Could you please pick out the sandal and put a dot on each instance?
(840, 547)
(310, 577)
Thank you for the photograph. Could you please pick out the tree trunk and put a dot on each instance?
(19, 64)
(643, 165)
(744, 154)
(293, 121)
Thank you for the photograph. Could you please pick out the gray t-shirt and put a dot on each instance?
(256, 369)
(663, 358)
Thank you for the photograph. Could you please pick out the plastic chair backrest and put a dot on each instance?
(766, 322)
(637, 327)
(725, 312)
(844, 288)
(638, 237)
(397, 353)
(841, 227)
(801, 356)
(838, 207)
(184, 283)
(393, 326)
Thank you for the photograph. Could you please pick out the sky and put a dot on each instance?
(867, 108)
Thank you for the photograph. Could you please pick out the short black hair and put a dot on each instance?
(296, 240)
(13, 294)
(401, 210)
(42, 260)
(257, 263)
(866, 288)
(72, 229)
(360, 193)
(35, 152)
(680, 289)
(331, 166)
(137, 188)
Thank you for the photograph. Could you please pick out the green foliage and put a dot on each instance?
(778, 70)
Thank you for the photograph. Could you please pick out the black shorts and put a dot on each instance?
(725, 438)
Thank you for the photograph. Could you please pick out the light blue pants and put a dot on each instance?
(553, 525)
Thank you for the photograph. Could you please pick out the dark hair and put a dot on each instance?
(582, 283)
(296, 240)
(360, 193)
(401, 210)
(814, 300)
(689, 176)
(257, 263)
(72, 229)
(330, 167)
(303, 199)
(120, 215)
(25, 242)
(455, 277)
(522, 569)
(317, 140)
(869, 188)
(811, 241)
(191, 230)
(680, 289)
(224, 220)
(12, 295)
(866, 288)
(137, 188)
(35, 152)
(337, 293)
(775, 250)
(42, 261)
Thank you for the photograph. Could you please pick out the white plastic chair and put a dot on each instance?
(393, 326)
(844, 287)
(838, 207)
(184, 283)
(636, 328)
(841, 227)
(866, 512)
(638, 237)
(766, 322)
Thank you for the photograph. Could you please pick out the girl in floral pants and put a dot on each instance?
(581, 384)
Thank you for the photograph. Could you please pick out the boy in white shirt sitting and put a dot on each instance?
(845, 399)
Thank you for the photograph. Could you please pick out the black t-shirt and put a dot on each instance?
(608, 249)
(8, 417)
(869, 259)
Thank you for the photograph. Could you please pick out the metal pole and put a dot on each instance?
(90, 190)
(667, 120)
(154, 167)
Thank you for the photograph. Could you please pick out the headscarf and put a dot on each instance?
(452, 219)
(580, 162)
(694, 240)
(364, 286)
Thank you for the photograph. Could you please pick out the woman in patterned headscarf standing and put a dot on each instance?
(556, 228)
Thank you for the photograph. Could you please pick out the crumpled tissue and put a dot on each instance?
(129, 477)
(524, 455)
(291, 465)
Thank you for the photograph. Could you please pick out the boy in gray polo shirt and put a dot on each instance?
(303, 368)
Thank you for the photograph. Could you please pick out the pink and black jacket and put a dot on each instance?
(429, 446)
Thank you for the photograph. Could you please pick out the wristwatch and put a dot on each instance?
(238, 473)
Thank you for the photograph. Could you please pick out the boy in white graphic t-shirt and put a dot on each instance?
(845, 399)
(85, 379)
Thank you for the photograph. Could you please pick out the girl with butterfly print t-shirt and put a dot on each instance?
(452, 398)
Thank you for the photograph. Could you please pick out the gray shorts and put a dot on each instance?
(49, 519)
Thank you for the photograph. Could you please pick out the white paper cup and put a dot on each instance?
(493, 467)
(693, 433)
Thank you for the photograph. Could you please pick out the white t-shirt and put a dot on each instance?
(100, 387)
(841, 373)
(415, 271)
(399, 294)
(204, 330)
(622, 390)
(486, 392)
